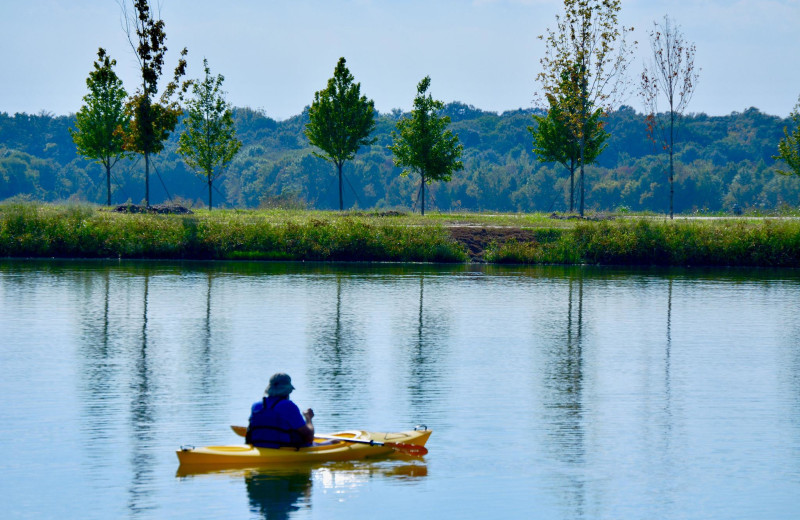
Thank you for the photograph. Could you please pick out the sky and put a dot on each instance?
(275, 54)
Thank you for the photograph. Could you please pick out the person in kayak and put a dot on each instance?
(276, 421)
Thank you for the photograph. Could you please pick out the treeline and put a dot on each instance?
(722, 162)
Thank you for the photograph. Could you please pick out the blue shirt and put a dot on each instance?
(287, 411)
(274, 422)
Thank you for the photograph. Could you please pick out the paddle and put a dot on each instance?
(408, 449)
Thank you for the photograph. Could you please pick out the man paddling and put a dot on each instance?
(275, 421)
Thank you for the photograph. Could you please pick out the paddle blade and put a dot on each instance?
(408, 449)
(241, 431)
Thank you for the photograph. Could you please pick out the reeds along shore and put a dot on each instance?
(30, 230)
(729, 242)
(85, 232)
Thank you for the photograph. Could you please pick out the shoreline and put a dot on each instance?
(84, 232)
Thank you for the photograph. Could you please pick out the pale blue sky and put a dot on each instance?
(276, 53)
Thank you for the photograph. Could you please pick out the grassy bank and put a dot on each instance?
(50, 231)
(28, 230)
(729, 242)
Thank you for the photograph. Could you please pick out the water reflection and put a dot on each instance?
(99, 368)
(275, 495)
(648, 392)
(667, 364)
(282, 492)
(566, 402)
(337, 367)
(206, 362)
(425, 350)
(142, 416)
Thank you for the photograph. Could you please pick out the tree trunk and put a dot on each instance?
(583, 145)
(422, 185)
(584, 117)
(147, 179)
(108, 184)
(671, 164)
(209, 193)
(572, 187)
(341, 200)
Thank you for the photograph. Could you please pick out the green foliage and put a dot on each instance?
(789, 146)
(209, 137)
(555, 139)
(151, 124)
(340, 120)
(101, 122)
(423, 144)
(721, 161)
(585, 62)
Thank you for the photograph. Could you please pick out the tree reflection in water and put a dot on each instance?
(565, 399)
(99, 369)
(207, 363)
(337, 370)
(426, 351)
(142, 417)
(668, 366)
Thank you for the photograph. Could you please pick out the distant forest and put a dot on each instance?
(721, 162)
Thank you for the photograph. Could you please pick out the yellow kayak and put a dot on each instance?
(347, 445)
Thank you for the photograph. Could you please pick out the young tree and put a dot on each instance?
(555, 141)
(101, 121)
(209, 140)
(789, 147)
(423, 144)
(589, 45)
(672, 75)
(152, 119)
(341, 120)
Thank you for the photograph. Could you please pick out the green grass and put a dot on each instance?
(35, 230)
(641, 241)
(28, 230)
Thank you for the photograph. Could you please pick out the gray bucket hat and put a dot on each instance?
(280, 385)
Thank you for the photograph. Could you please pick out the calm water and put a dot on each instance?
(553, 393)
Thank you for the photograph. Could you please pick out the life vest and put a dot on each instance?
(268, 429)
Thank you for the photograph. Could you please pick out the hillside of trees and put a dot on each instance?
(721, 162)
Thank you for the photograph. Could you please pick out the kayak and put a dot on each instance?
(347, 445)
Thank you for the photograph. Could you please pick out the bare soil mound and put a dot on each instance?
(477, 239)
(164, 209)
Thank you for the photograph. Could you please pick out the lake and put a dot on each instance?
(552, 392)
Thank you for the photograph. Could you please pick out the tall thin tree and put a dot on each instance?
(589, 45)
(209, 141)
(554, 139)
(101, 122)
(340, 120)
(153, 119)
(671, 75)
(423, 144)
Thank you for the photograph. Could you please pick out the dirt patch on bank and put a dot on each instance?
(476, 239)
(163, 209)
